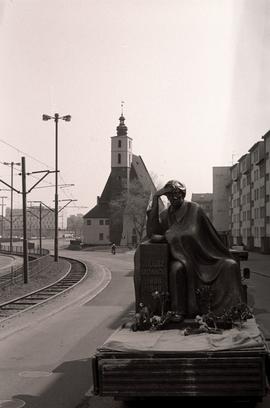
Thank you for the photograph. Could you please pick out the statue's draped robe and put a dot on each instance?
(194, 242)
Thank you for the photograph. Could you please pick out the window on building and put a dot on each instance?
(101, 222)
(88, 222)
(101, 236)
(262, 192)
(119, 158)
(119, 143)
(267, 176)
(262, 212)
(107, 222)
(262, 168)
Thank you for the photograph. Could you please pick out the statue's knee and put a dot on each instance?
(176, 268)
(231, 264)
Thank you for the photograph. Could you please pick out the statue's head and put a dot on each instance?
(177, 192)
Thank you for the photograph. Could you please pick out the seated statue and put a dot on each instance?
(198, 260)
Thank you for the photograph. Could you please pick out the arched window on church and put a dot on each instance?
(119, 143)
(119, 158)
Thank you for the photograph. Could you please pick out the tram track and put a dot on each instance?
(21, 304)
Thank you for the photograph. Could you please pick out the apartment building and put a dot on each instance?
(250, 192)
(221, 198)
(205, 200)
(35, 219)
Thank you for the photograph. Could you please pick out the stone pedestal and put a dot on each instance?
(151, 274)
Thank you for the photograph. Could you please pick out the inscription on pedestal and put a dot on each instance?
(151, 274)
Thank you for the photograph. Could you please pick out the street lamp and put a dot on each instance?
(11, 164)
(56, 118)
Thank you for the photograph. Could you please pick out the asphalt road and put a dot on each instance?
(45, 356)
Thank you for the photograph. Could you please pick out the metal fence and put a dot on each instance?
(18, 250)
(37, 263)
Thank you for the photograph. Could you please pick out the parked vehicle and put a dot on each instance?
(240, 251)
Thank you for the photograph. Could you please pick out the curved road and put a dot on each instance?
(45, 356)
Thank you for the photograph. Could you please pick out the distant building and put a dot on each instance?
(221, 198)
(33, 222)
(205, 200)
(100, 226)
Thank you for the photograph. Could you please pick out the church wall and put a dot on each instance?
(91, 233)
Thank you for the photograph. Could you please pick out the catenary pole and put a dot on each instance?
(25, 244)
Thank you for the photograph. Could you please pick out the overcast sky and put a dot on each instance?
(194, 76)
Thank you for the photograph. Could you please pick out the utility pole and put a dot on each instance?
(40, 221)
(2, 215)
(11, 164)
(24, 193)
(40, 228)
(25, 245)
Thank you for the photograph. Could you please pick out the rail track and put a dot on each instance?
(21, 304)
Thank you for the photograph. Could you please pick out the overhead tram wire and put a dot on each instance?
(26, 154)
(36, 160)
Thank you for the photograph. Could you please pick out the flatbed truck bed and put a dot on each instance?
(237, 373)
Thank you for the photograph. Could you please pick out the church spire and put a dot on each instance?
(121, 128)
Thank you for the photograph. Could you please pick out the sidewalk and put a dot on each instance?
(259, 288)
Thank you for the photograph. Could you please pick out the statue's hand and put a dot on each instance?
(157, 238)
(163, 191)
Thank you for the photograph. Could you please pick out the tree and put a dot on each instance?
(137, 202)
(131, 204)
(75, 224)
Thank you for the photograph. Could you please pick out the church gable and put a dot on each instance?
(139, 171)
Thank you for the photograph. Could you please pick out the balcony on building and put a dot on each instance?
(257, 152)
(235, 171)
(244, 163)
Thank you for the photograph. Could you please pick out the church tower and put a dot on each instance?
(121, 158)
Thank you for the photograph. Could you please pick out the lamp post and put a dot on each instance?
(11, 164)
(56, 118)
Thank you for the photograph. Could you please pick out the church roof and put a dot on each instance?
(101, 210)
(138, 171)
